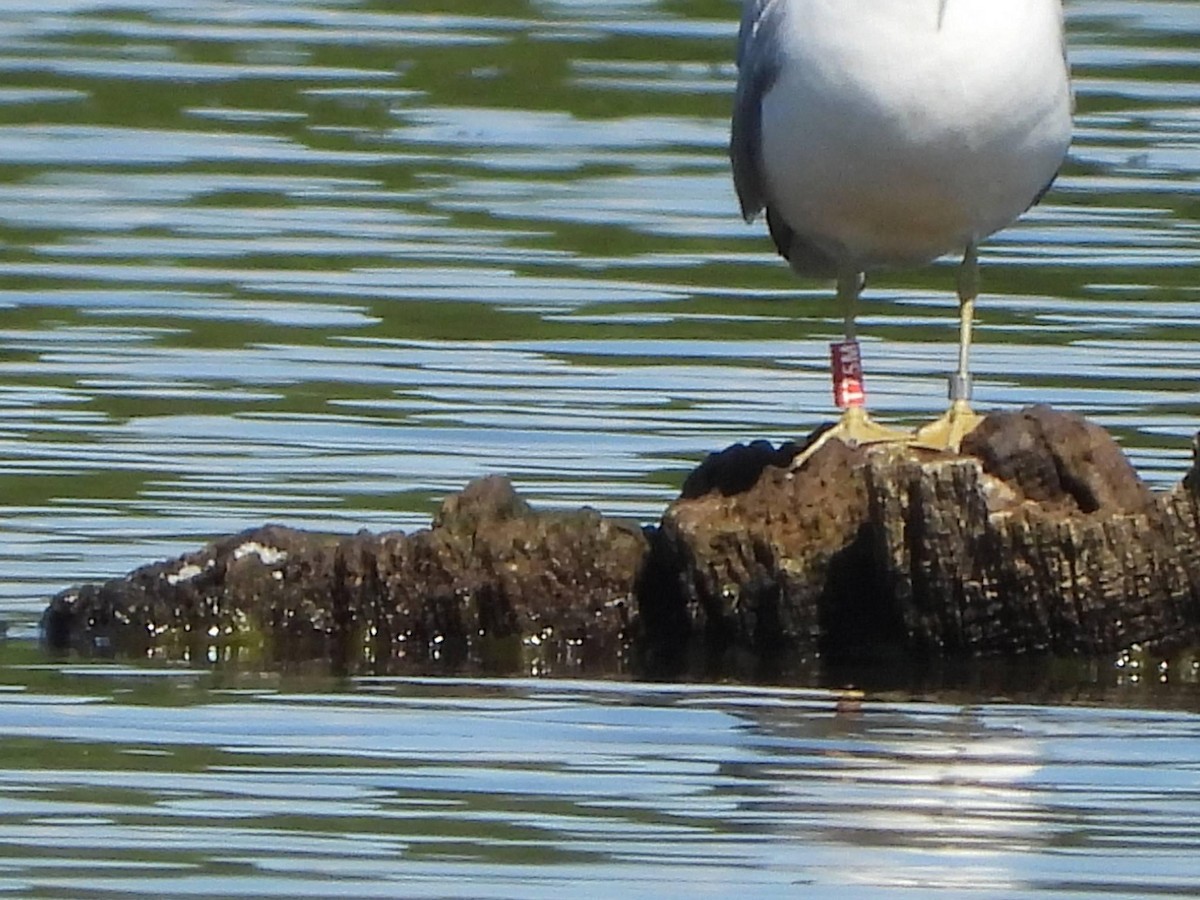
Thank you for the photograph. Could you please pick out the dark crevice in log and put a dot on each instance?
(856, 626)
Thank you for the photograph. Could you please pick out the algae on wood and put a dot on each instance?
(1037, 538)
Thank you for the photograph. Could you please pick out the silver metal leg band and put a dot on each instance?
(960, 386)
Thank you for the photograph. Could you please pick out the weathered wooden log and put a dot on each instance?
(492, 585)
(1037, 538)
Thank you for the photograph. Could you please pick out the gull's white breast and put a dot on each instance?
(900, 130)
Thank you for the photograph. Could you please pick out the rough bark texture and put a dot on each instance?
(1037, 538)
(492, 585)
(769, 575)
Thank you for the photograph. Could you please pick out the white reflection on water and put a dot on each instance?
(522, 789)
(322, 263)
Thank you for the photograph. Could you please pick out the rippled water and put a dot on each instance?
(323, 262)
(117, 783)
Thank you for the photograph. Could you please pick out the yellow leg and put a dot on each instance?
(959, 420)
(854, 427)
(849, 286)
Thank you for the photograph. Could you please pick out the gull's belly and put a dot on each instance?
(900, 130)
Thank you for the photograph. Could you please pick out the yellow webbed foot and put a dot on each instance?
(948, 431)
(855, 428)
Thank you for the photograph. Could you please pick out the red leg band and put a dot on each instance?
(846, 365)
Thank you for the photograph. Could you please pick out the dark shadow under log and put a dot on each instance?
(1038, 538)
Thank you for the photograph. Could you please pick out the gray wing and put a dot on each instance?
(758, 62)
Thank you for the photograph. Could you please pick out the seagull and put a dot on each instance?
(883, 134)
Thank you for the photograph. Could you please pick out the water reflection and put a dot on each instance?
(431, 789)
(324, 263)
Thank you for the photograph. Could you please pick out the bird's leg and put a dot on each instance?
(854, 427)
(947, 432)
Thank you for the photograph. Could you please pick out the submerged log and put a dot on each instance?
(492, 584)
(1037, 538)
